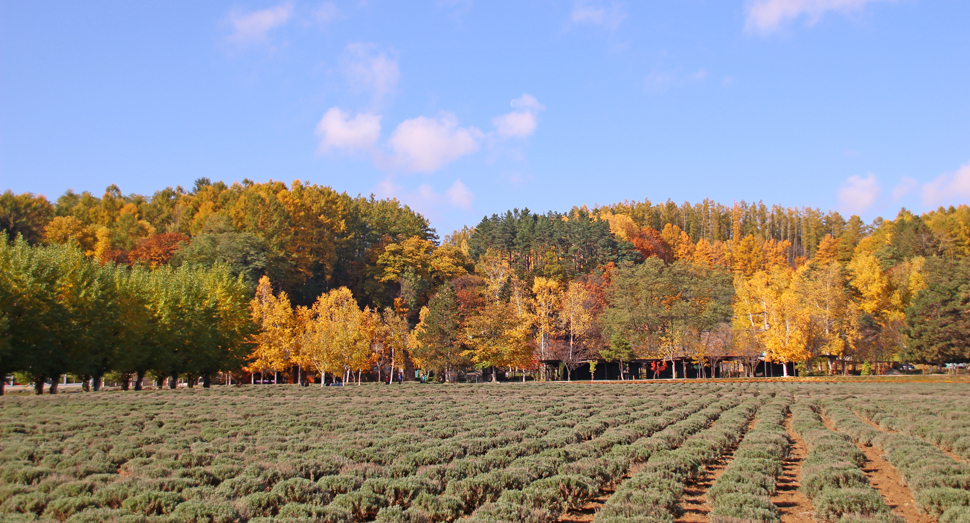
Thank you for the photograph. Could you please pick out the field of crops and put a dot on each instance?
(619, 453)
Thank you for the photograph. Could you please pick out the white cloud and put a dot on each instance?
(767, 16)
(904, 187)
(425, 144)
(948, 187)
(337, 131)
(586, 12)
(527, 102)
(858, 194)
(370, 70)
(425, 199)
(520, 123)
(458, 195)
(253, 27)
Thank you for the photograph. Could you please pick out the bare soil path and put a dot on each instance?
(694, 501)
(889, 483)
(791, 502)
(589, 510)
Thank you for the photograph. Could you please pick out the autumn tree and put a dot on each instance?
(545, 306)
(275, 345)
(338, 339)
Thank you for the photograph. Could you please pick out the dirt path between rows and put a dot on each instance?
(792, 504)
(694, 501)
(589, 510)
(889, 483)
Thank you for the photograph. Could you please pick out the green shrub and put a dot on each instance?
(935, 501)
(399, 515)
(503, 512)
(260, 504)
(956, 515)
(744, 507)
(884, 517)
(438, 508)
(205, 511)
(817, 479)
(832, 504)
(362, 504)
(29, 503)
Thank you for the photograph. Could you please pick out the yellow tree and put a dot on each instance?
(391, 342)
(333, 333)
(545, 305)
(575, 317)
(747, 256)
(275, 345)
(823, 292)
(496, 337)
(704, 254)
(786, 339)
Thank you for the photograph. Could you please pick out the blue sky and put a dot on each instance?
(462, 108)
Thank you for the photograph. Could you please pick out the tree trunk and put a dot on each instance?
(784, 367)
(173, 381)
(86, 383)
(139, 376)
(96, 381)
(206, 380)
(39, 385)
(54, 382)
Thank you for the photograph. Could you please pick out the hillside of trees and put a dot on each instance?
(303, 280)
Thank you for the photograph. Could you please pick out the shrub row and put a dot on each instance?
(583, 473)
(832, 476)
(947, 425)
(940, 485)
(653, 493)
(743, 491)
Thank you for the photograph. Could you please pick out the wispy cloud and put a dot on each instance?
(904, 187)
(858, 194)
(521, 122)
(598, 13)
(253, 27)
(948, 187)
(768, 16)
(458, 195)
(336, 130)
(370, 70)
(426, 145)
(425, 199)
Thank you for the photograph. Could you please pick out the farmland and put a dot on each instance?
(719, 452)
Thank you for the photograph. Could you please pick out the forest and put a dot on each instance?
(314, 284)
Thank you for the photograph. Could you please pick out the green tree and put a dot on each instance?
(938, 319)
(435, 341)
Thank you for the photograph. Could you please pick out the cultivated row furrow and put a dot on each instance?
(940, 484)
(654, 492)
(743, 491)
(832, 475)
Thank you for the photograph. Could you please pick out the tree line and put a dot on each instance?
(342, 285)
(62, 312)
